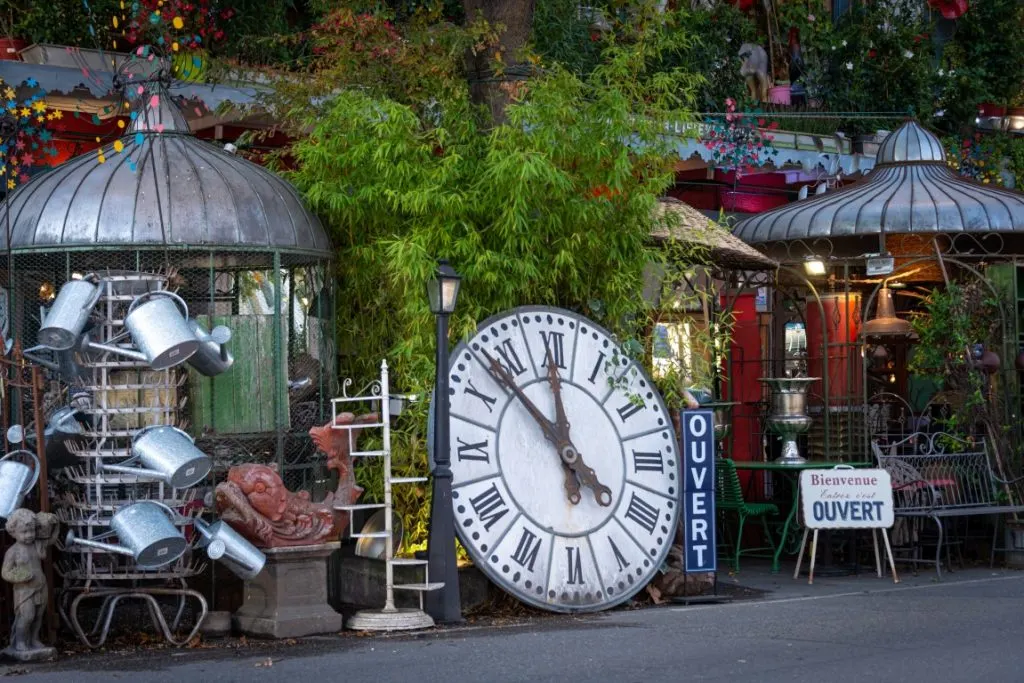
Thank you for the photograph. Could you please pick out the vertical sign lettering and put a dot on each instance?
(699, 491)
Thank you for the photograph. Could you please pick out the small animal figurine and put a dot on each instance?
(755, 70)
(33, 534)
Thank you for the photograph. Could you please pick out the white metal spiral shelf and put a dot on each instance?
(390, 617)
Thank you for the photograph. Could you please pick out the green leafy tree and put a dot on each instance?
(553, 206)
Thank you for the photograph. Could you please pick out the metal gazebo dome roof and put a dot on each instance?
(910, 190)
(166, 188)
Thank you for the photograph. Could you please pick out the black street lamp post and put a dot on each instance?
(443, 605)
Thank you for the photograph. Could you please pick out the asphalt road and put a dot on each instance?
(941, 632)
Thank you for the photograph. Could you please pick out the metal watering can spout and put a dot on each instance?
(33, 355)
(71, 539)
(212, 356)
(88, 344)
(62, 421)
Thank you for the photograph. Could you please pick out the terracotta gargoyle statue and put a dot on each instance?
(256, 504)
(337, 445)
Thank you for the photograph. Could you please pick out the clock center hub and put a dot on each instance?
(534, 470)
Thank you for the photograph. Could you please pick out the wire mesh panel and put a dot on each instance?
(279, 308)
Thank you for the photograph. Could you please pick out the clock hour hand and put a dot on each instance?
(602, 494)
(572, 485)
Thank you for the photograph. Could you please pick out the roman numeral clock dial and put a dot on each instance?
(566, 475)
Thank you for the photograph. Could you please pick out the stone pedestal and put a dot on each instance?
(288, 599)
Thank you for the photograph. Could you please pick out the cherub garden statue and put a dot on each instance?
(33, 534)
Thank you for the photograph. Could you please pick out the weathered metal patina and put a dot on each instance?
(164, 188)
(910, 190)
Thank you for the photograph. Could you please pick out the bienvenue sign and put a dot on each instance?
(846, 499)
(699, 491)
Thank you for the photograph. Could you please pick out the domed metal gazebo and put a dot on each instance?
(162, 210)
(910, 225)
(232, 238)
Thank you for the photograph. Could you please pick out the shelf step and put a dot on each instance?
(361, 506)
(407, 480)
(379, 534)
(419, 587)
(350, 427)
(408, 562)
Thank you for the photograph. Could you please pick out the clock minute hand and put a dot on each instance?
(505, 379)
(567, 450)
(572, 486)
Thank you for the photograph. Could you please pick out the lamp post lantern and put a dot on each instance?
(443, 605)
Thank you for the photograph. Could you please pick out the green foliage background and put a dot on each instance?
(554, 207)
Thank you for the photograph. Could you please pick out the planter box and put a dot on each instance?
(10, 49)
(867, 144)
(73, 57)
(778, 179)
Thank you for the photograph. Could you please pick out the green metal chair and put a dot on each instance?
(729, 498)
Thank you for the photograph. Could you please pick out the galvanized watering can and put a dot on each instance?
(16, 480)
(69, 313)
(227, 545)
(213, 356)
(62, 423)
(158, 323)
(168, 454)
(144, 532)
(63, 362)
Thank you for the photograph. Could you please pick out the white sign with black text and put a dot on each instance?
(846, 498)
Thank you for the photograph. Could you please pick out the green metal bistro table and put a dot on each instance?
(794, 470)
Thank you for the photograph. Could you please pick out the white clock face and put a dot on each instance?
(511, 486)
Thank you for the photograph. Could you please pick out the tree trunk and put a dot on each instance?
(516, 16)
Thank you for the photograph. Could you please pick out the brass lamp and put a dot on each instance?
(885, 323)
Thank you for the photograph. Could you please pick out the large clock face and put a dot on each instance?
(572, 514)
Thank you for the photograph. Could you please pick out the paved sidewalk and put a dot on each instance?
(757, 575)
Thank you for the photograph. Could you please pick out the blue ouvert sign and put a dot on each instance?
(698, 448)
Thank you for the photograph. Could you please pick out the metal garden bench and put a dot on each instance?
(939, 476)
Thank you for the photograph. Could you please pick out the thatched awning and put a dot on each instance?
(680, 221)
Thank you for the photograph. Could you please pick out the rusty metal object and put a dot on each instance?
(256, 504)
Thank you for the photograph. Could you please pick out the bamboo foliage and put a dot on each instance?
(552, 207)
